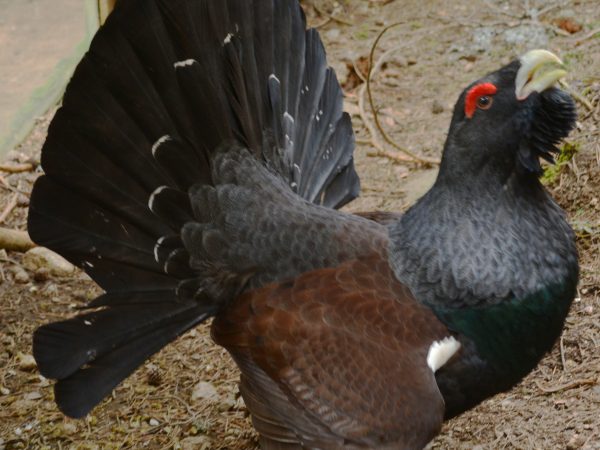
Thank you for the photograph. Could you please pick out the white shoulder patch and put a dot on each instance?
(227, 39)
(441, 351)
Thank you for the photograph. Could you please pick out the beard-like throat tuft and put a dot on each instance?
(548, 118)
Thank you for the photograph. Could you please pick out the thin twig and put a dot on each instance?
(547, 9)
(16, 168)
(5, 184)
(331, 16)
(588, 36)
(386, 137)
(9, 261)
(363, 115)
(394, 156)
(322, 24)
(500, 10)
(565, 387)
(12, 204)
(562, 354)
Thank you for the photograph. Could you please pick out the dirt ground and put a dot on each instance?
(187, 397)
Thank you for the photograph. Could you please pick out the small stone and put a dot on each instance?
(35, 395)
(577, 441)
(70, 428)
(437, 107)
(204, 391)
(196, 443)
(20, 275)
(41, 275)
(240, 405)
(227, 404)
(153, 422)
(43, 258)
(26, 362)
(51, 290)
(532, 35)
(92, 420)
(13, 155)
(333, 34)
(483, 38)
(4, 391)
(22, 200)
(399, 61)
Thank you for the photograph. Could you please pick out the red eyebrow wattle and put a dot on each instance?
(474, 93)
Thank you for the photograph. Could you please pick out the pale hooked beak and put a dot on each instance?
(540, 69)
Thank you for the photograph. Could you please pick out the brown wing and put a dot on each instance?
(336, 359)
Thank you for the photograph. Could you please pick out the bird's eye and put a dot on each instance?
(484, 102)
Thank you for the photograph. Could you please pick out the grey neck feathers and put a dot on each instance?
(475, 241)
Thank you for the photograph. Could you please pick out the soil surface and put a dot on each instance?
(187, 397)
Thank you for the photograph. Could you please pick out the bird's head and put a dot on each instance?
(509, 119)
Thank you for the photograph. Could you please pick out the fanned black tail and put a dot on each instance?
(165, 83)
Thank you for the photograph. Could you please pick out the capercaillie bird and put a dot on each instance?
(194, 171)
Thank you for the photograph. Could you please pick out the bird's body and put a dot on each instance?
(192, 172)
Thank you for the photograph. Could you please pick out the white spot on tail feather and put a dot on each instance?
(159, 142)
(157, 246)
(441, 351)
(227, 39)
(288, 116)
(156, 192)
(273, 77)
(184, 63)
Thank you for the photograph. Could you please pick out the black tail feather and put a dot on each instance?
(62, 347)
(136, 137)
(79, 392)
(95, 238)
